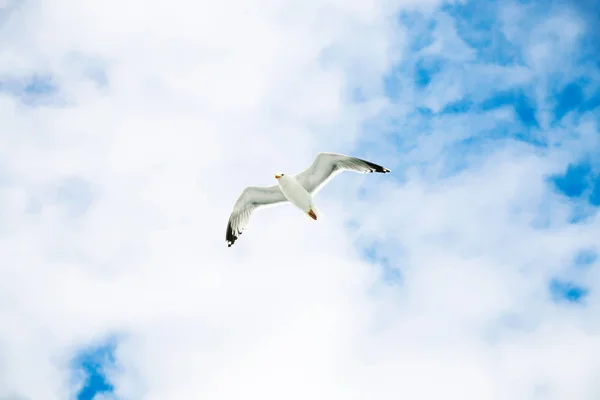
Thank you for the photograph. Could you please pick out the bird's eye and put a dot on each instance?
(282, 174)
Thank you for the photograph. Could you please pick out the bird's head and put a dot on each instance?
(279, 176)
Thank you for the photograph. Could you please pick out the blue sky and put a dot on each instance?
(483, 239)
(93, 363)
(473, 57)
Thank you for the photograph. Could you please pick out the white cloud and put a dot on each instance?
(203, 99)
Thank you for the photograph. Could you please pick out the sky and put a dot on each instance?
(129, 129)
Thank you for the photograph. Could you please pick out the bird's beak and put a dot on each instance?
(277, 176)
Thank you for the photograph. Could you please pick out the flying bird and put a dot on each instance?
(297, 189)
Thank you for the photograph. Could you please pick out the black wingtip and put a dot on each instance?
(230, 236)
(377, 168)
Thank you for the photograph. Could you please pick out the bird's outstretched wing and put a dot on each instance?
(328, 165)
(251, 199)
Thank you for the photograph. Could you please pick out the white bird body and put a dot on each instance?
(297, 189)
(295, 192)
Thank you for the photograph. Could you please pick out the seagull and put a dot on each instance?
(297, 189)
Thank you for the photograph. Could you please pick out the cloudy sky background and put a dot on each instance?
(130, 127)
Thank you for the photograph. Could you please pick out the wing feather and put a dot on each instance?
(327, 165)
(251, 199)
